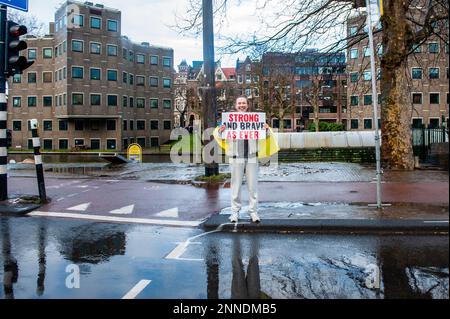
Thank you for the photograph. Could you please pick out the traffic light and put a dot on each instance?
(15, 63)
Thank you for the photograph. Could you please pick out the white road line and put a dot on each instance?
(178, 251)
(136, 290)
(113, 219)
(436, 221)
(60, 199)
(127, 210)
(73, 195)
(80, 208)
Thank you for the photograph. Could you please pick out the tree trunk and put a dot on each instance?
(396, 150)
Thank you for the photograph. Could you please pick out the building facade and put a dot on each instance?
(427, 74)
(91, 87)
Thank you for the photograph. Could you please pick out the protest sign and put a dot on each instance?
(244, 126)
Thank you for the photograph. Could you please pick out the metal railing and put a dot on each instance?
(424, 137)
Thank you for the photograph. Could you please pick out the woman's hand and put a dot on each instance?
(222, 128)
(266, 126)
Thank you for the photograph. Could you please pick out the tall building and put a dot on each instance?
(92, 87)
(427, 74)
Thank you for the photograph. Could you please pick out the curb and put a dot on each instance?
(331, 225)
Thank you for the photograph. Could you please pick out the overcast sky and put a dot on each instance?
(149, 20)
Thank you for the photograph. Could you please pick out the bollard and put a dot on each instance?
(38, 160)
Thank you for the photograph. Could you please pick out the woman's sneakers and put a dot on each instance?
(255, 217)
(234, 217)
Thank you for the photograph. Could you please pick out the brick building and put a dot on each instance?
(91, 86)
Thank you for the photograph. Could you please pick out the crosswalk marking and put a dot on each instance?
(136, 290)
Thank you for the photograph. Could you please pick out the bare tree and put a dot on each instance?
(34, 25)
(293, 25)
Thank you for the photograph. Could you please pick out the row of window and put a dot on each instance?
(95, 100)
(417, 98)
(78, 21)
(433, 73)
(354, 53)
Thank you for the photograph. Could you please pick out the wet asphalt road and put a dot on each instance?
(163, 262)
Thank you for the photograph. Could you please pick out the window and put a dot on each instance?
(140, 125)
(96, 48)
(112, 50)
(125, 125)
(131, 125)
(78, 20)
(63, 125)
(380, 50)
(124, 53)
(154, 125)
(17, 101)
(124, 101)
(48, 144)
(353, 53)
(47, 77)
(96, 23)
(353, 30)
(154, 60)
(112, 100)
(96, 99)
(17, 126)
(354, 100)
(167, 104)
(140, 59)
(140, 80)
(112, 75)
(47, 53)
(154, 82)
(131, 56)
(47, 101)
(111, 125)
(48, 126)
(141, 141)
(417, 48)
(125, 143)
(366, 51)
(112, 26)
(417, 123)
(167, 125)
(77, 72)
(239, 78)
(140, 103)
(63, 144)
(434, 123)
(79, 142)
(79, 126)
(32, 77)
(32, 101)
(417, 73)
(434, 98)
(77, 99)
(154, 104)
(95, 144)
(131, 77)
(367, 124)
(167, 62)
(167, 83)
(125, 77)
(367, 75)
(417, 98)
(367, 99)
(354, 124)
(154, 141)
(77, 46)
(131, 101)
(111, 144)
(96, 74)
(17, 78)
(354, 77)
(32, 54)
(433, 47)
(433, 73)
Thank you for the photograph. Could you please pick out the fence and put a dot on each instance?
(423, 138)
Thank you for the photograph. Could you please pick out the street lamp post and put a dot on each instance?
(209, 89)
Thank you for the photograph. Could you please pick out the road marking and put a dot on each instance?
(60, 199)
(73, 195)
(114, 219)
(436, 221)
(127, 210)
(80, 208)
(136, 290)
(82, 186)
(170, 213)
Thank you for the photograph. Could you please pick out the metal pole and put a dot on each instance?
(3, 108)
(38, 161)
(209, 90)
(375, 104)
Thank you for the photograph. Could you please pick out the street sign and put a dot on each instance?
(16, 4)
(135, 153)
